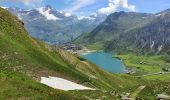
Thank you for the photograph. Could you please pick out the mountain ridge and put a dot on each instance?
(150, 38)
(53, 26)
(122, 31)
(114, 24)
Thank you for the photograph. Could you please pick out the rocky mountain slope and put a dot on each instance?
(114, 25)
(153, 37)
(55, 27)
(137, 32)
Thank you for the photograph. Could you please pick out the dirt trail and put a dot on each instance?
(134, 95)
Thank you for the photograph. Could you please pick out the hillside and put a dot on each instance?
(24, 61)
(112, 27)
(134, 32)
(151, 38)
(20, 58)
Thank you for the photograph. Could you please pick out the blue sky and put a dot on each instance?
(85, 7)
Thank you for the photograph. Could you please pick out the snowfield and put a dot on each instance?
(47, 14)
(62, 84)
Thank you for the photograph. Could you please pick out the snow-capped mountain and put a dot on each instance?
(53, 26)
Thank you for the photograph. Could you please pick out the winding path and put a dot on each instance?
(134, 95)
(158, 73)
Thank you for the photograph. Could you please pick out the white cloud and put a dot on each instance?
(78, 4)
(114, 5)
(32, 3)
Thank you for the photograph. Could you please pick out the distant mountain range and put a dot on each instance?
(55, 27)
(120, 31)
(131, 31)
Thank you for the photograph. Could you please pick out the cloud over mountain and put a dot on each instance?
(115, 4)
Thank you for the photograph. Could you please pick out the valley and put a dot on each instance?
(25, 60)
(122, 56)
(147, 66)
(143, 45)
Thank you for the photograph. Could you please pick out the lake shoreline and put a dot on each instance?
(105, 60)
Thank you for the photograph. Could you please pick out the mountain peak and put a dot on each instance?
(47, 7)
(47, 12)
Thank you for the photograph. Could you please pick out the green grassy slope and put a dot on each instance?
(23, 60)
(145, 64)
(150, 68)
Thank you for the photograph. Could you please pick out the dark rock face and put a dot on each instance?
(130, 31)
(152, 37)
(115, 24)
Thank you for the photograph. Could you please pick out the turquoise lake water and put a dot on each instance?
(106, 61)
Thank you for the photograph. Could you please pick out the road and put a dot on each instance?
(158, 73)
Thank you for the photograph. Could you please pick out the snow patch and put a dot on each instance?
(19, 17)
(66, 14)
(47, 14)
(161, 14)
(4, 7)
(153, 43)
(86, 17)
(62, 84)
(160, 48)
